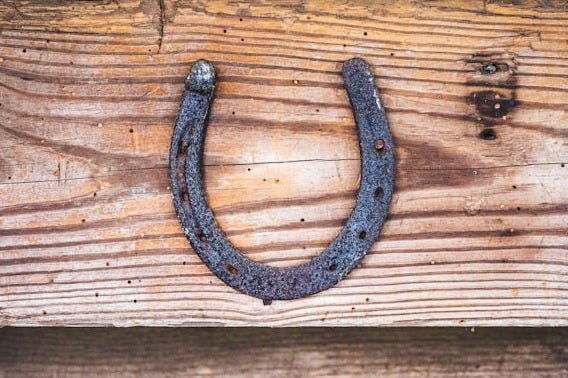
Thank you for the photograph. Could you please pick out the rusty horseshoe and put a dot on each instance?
(351, 244)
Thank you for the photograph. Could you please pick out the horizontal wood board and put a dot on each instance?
(478, 228)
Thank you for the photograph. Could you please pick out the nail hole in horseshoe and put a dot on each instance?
(363, 235)
(232, 270)
(379, 192)
(185, 196)
(201, 235)
(183, 147)
(379, 146)
(332, 267)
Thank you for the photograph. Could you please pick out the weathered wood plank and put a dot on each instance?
(306, 352)
(478, 229)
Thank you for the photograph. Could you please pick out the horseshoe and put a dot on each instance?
(352, 243)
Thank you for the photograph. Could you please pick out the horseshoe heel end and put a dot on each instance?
(355, 63)
(201, 78)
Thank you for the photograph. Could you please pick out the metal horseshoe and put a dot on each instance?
(348, 248)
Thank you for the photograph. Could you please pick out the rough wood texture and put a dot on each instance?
(284, 353)
(477, 233)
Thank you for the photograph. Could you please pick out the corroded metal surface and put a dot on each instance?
(348, 248)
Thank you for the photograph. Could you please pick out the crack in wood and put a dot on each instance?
(162, 19)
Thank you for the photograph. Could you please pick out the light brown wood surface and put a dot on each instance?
(478, 228)
(297, 352)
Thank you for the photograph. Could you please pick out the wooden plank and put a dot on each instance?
(306, 352)
(478, 229)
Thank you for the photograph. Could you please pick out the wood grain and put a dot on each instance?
(305, 352)
(478, 229)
